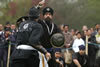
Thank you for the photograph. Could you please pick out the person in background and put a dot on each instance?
(68, 36)
(73, 32)
(84, 28)
(92, 30)
(3, 50)
(7, 26)
(95, 31)
(98, 43)
(14, 35)
(98, 36)
(1, 29)
(67, 44)
(91, 47)
(80, 59)
(77, 42)
(61, 27)
(59, 60)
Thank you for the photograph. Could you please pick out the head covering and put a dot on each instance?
(81, 47)
(48, 9)
(34, 12)
(57, 50)
(7, 23)
(21, 19)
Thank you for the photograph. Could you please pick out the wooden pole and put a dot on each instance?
(86, 46)
(9, 49)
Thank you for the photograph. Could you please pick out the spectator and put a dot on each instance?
(7, 26)
(98, 36)
(84, 28)
(91, 47)
(3, 50)
(61, 27)
(77, 42)
(14, 35)
(73, 32)
(92, 30)
(68, 36)
(95, 31)
(98, 42)
(80, 59)
(68, 43)
(59, 60)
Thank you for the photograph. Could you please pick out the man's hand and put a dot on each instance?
(77, 62)
(67, 45)
(48, 56)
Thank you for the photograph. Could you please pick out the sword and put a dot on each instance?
(40, 4)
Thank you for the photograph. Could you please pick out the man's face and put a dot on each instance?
(1, 26)
(99, 31)
(82, 52)
(48, 16)
(57, 54)
(79, 36)
(89, 32)
(13, 27)
(97, 26)
(66, 28)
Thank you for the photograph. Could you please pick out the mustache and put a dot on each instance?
(48, 19)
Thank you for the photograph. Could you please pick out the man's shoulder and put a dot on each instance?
(40, 21)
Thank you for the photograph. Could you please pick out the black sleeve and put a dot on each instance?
(35, 38)
(58, 30)
(37, 32)
(74, 56)
(93, 39)
(86, 61)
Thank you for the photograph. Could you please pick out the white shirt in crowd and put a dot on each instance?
(77, 42)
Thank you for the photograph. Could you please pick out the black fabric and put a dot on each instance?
(2, 39)
(24, 58)
(20, 20)
(83, 60)
(91, 39)
(81, 47)
(30, 35)
(52, 61)
(92, 48)
(48, 9)
(62, 61)
(34, 12)
(92, 56)
(45, 40)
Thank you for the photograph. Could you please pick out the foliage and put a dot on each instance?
(72, 12)
(82, 12)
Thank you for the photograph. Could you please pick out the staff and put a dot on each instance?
(9, 50)
(86, 45)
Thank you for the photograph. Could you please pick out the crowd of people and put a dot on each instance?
(31, 40)
(73, 39)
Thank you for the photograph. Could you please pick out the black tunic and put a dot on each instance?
(29, 33)
(83, 60)
(45, 41)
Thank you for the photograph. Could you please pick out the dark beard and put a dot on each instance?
(48, 19)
